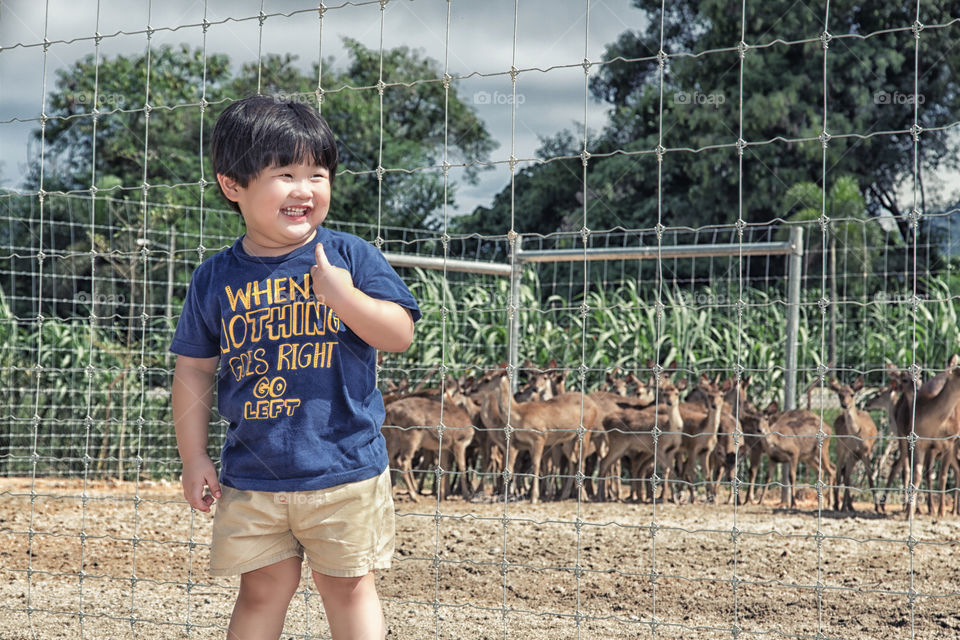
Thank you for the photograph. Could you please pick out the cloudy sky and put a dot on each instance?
(482, 39)
(549, 33)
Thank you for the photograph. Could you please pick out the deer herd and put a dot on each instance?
(657, 439)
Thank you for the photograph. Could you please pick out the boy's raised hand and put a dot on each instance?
(330, 284)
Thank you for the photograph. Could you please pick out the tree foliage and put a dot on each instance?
(786, 106)
(133, 132)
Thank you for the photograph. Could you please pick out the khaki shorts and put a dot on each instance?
(347, 531)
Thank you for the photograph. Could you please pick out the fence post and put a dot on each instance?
(794, 275)
(513, 319)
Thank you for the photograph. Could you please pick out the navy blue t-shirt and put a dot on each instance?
(297, 385)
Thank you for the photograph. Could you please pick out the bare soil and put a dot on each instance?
(130, 561)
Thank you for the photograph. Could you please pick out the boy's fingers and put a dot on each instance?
(321, 256)
(214, 487)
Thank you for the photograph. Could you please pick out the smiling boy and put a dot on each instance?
(286, 323)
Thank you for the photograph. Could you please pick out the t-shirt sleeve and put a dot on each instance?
(376, 278)
(195, 336)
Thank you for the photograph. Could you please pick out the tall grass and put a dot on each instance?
(113, 418)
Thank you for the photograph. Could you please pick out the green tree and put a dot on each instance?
(127, 130)
(845, 208)
(869, 89)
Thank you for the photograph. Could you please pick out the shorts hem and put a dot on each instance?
(348, 573)
(259, 563)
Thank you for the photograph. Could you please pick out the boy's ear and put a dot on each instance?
(230, 187)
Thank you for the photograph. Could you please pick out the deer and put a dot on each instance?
(886, 400)
(792, 439)
(537, 425)
(418, 420)
(856, 435)
(700, 437)
(630, 431)
(729, 431)
(609, 403)
(754, 424)
(928, 414)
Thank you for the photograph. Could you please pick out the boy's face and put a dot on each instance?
(282, 207)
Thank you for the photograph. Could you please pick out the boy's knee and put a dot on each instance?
(272, 584)
(345, 588)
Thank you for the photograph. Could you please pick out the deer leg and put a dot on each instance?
(841, 467)
(617, 447)
(405, 462)
(792, 493)
(689, 473)
(868, 469)
(707, 477)
(900, 466)
(460, 452)
(755, 463)
(536, 455)
(915, 483)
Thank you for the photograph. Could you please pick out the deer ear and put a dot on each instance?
(772, 408)
(892, 371)
(834, 384)
(954, 361)
(858, 384)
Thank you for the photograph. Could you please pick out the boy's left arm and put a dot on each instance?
(382, 324)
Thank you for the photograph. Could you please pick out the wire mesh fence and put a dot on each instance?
(94, 269)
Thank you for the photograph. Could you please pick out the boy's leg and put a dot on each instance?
(262, 603)
(352, 607)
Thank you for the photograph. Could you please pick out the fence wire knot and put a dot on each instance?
(825, 39)
(917, 27)
(742, 49)
(824, 138)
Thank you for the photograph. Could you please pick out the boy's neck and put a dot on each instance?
(253, 249)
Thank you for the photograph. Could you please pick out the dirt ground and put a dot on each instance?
(130, 562)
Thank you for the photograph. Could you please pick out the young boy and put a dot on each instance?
(292, 314)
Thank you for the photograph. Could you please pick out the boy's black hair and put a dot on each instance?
(262, 131)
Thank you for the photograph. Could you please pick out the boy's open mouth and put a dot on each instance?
(295, 212)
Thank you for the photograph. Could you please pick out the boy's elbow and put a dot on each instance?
(403, 338)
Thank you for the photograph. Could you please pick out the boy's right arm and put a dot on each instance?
(192, 398)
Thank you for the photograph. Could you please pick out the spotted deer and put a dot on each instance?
(609, 403)
(537, 425)
(414, 423)
(792, 439)
(700, 436)
(928, 414)
(856, 434)
(631, 431)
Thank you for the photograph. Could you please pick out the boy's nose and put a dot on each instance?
(300, 189)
